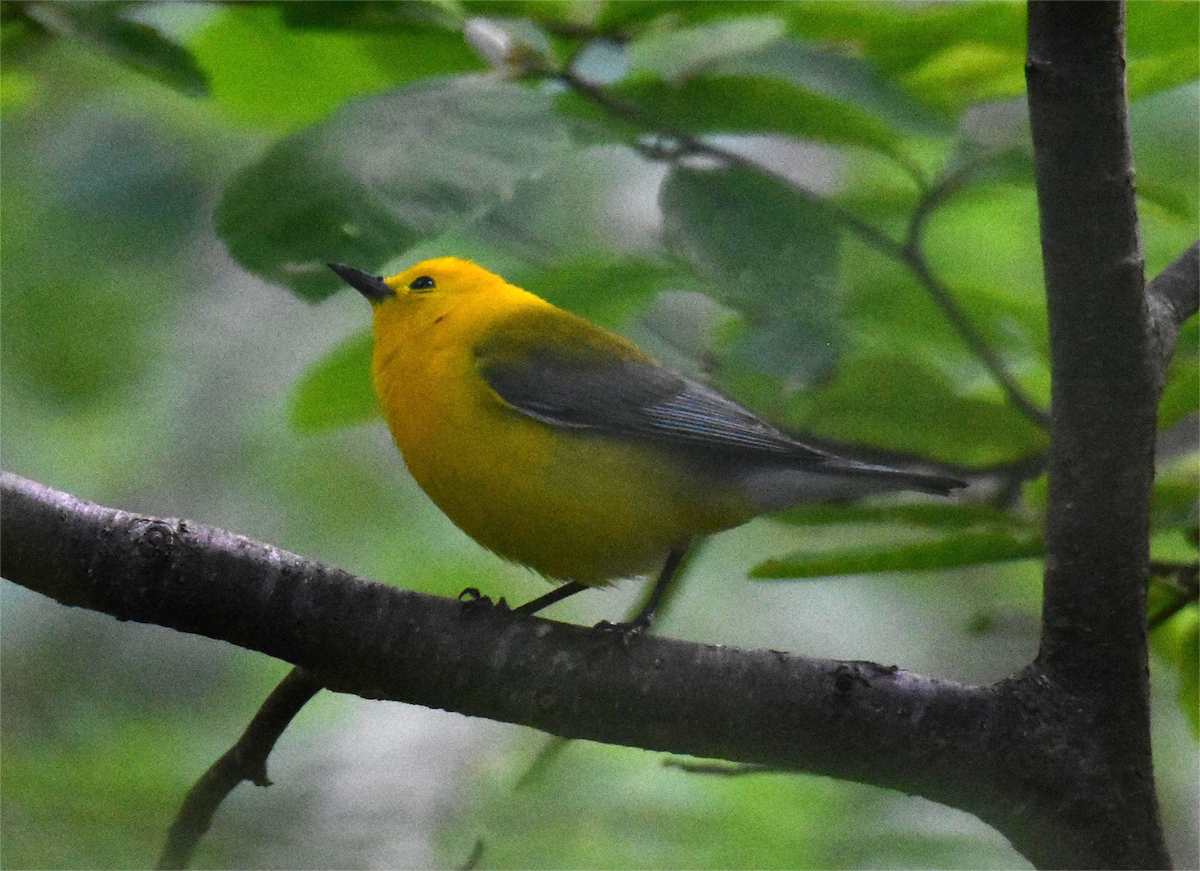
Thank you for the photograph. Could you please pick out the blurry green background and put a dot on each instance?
(145, 366)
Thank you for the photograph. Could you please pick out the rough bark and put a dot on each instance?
(1104, 388)
(855, 720)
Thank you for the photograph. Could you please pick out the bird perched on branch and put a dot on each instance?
(561, 446)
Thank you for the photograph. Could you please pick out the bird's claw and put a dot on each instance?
(624, 633)
(474, 601)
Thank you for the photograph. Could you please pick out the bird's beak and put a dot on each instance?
(372, 287)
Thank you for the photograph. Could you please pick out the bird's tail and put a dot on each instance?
(898, 479)
(834, 479)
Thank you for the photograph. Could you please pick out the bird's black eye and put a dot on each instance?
(422, 283)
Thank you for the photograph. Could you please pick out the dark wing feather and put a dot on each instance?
(571, 374)
(561, 370)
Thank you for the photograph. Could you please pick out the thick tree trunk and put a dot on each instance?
(1103, 404)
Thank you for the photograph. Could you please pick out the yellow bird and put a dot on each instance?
(561, 446)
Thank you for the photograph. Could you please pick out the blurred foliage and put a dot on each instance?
(644, 815)
(104, 28)
(142, 368)
(767, 253)
(309, 71)
(938, 537)
(382, 174)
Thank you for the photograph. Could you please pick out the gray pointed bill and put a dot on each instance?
(373, 287)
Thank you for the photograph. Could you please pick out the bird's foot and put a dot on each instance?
(624, 633)
(475, 602)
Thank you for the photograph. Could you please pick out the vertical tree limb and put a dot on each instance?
(1103, 404)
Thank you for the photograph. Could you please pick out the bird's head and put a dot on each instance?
(426, 292)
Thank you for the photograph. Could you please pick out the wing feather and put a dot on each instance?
(571, 374)
(559, 369)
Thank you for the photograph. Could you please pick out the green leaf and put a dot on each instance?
(1167, 196)
(1175, 494)
(1015, 166)
(709, 103)
(336, 391)
(98, 365)
(930, 515)
(852, 80)
(788, 88)
(1159, 73)
(101, 27)
(952, 55)
(602, 289)
(382, 174)
(1181, 395)
(549, 11)
(1181, 392)
(967, 73)
(784, 87)
(1162, 42)
(624, 13)
(371, 14)
(955, 549)
(949, 55)
(674, 54)
(889, 311)
(567, 213)
(16, 90)
(888, 397)
(901, 37)
(269, 74)
(767, 252)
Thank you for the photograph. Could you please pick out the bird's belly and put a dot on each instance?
(571, 504)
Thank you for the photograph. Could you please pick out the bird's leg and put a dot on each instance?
(556, 595)
(645, 616)
(640, 623)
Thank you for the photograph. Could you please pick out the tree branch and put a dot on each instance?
(1104, 394)
(968, 747)
(1004, 753)
(1172, 298)
(245, 760)
(379, 642)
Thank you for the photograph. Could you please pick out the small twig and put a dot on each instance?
(1012, 477)
(549, 751)
(944, 299)
(245, 760)
(913, 255)
(907, 253)
(940, 191)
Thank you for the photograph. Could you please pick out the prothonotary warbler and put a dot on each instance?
(561, 446)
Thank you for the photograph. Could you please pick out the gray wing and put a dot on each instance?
(632, 398)
(570, 374)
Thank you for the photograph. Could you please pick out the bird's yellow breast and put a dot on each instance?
(572, 504)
